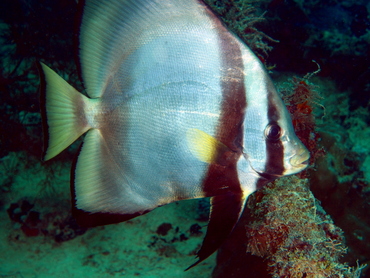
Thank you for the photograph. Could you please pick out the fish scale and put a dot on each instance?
(178, 108)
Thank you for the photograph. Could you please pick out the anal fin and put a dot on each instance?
(225, 213)
(101, 188)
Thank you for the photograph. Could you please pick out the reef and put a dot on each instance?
(336, 34)
(294, 234)
(284, 222)
(314, 224)
(60, 226)
(286, 233)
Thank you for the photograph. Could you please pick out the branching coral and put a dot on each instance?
(293, 233)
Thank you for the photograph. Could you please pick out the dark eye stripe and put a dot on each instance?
(273, 132)
(275, 148)
(274, 166)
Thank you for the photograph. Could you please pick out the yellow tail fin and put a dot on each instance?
(65, 115)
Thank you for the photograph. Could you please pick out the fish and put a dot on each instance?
(175, 107)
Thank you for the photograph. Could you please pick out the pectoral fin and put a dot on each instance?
(205, 147)
(225, 213)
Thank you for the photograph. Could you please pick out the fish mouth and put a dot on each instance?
(300, 160)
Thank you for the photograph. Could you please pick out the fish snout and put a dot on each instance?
(300, 159)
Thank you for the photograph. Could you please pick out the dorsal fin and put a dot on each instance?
(112, 30)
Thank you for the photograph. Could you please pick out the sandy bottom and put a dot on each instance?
(130, 249)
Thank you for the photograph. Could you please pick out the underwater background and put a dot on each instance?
(315, 224)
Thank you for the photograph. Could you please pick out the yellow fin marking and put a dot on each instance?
(203, 146)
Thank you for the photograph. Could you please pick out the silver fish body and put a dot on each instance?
(177, 108)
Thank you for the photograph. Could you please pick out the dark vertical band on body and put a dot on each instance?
(221, 179)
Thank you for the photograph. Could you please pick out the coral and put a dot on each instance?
(343, 28)
(292, 232)
(163, 229)
(9, 166)
(59, 226)
(334, 33)
(166, 237)
(289, 230)
(340, 179)
(34, 34)
(302, 100)
(35, 199)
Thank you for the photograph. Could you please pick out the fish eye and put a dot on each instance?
(273, 132)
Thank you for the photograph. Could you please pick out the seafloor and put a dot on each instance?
(312, 225)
